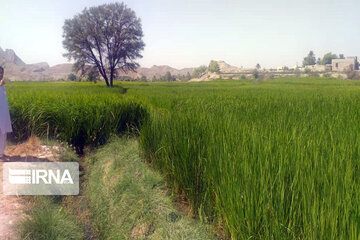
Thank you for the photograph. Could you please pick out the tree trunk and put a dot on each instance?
(106, 80)
(111, 77)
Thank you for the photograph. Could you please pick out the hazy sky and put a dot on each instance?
(186, 33)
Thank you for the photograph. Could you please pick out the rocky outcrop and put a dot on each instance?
(9, 56)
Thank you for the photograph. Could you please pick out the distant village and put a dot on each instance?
(338, 65)
(330, 66)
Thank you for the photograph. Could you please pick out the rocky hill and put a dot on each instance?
(9, 56)
(17, 70)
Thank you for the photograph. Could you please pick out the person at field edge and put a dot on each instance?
(5, 122)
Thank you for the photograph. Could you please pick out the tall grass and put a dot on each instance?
(274, 160)
(78, 114)
(49, 221)
(278, 160)
(129, 201)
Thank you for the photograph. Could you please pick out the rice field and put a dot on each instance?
(79, 114)
(276, 159)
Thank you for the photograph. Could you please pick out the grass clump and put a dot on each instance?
(47, 220)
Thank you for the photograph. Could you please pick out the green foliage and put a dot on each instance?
(199, 71)
(256, 74)
(72, 77)
(143, 79)
(277, 160)
(188, 76)
(168, 77)
(264, 161)
(49, 221)
(79, 114)
(310, 59)
(328, 58)
(107, 37)
(93, 75)
(127, 199)
(214, 67)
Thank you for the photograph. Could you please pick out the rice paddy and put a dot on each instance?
(276, 159)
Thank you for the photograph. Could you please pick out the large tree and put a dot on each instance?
(310, 59)
(107, 37)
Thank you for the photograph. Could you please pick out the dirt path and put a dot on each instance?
(11, 212)
(11, 207)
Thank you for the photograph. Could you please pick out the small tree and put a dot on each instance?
(256, 74)
(199, 71)
(310, 59)
(258, 66)
(108, 37)
(214, 67)
(341, 56)
(188, 76)
(168, 77)
(93, 74)
(327, 59)
(143, 78)
(72, 77)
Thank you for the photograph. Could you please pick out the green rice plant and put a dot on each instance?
(78, 115)
(276, 160)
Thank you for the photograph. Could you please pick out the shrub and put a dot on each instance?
(72, 77)
(327, 75)
(256, 74)
(353, 75)
(214, 67)
(199, 71)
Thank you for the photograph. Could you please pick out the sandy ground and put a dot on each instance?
(11, 207)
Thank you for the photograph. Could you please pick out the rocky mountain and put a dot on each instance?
(227, 68)
(17, 70)
(156, 71)
(9, 56)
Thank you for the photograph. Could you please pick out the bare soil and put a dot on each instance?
(12, 207)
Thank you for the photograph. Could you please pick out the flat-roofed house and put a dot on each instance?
(349, 63)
